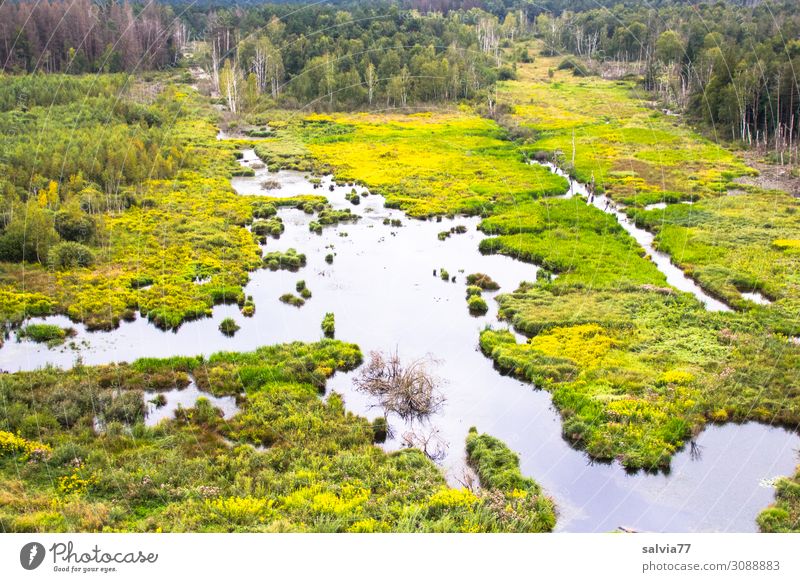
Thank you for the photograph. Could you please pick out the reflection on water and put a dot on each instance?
(184, 398)
(385, 296)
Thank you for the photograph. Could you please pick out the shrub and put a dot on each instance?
(444, 275)
(228, 326)
(473, 290)
(70, 254)
(329, 258)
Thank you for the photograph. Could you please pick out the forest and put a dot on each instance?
(295, 267)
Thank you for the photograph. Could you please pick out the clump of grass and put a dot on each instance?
(229, 327)
(443, 274)
(476, 305)
(353, 197)
(270, 227)
(249, 307)
(303, 290)
(159, 400)
(473, 290)
(291, 299)
(329, 258)
(290, 260)
(329, 325)
(45, 333)
(482, 281)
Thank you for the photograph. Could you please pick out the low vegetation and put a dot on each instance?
(784, 514)
(45, 333)
(503, 483)
(637, 373)
(316, 468)
(329, 325)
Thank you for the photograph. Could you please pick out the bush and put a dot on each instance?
(75, 226)
(228, 326)
(70, 254)
(329, 258)
(473, 290)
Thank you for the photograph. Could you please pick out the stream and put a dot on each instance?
(385, 296)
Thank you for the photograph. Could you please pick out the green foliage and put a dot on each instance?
(784, 514)
(481, 281)
(581, 243)
(228, 326)
(522, 499)
(477, 305)
(69, 255)
(45, 333)
(290, 260)
(329, 325)
(291, 299)
(636, 372)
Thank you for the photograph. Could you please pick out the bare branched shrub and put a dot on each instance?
(429, 442)
(410, 391)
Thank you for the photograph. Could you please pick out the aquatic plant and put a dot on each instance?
(229, 326)
(477, 305)
(289, 260)
(482, 281)
(329, 325)
(291, 299)
(45, 333)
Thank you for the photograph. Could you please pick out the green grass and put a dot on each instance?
(45, 333)
(784, 514)
(582, 244)
(738, 243)
(498, 470)
(637, 372)
(634, 153)
(425, 164)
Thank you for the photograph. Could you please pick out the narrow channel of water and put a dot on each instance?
(675, 276)
(382, 289)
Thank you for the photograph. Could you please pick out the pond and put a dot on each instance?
(382, 289)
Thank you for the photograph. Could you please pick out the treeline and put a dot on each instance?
(80, 36)
(733, 65)
(324, 56)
